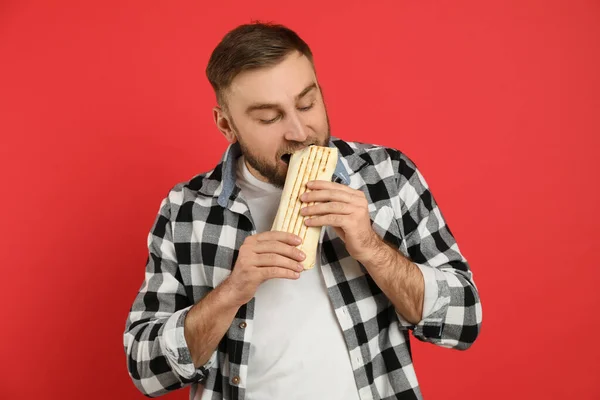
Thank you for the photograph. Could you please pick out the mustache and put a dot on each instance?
(296, 147)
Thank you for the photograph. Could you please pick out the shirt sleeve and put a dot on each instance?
(176, 350)
(431, 289)
(452, 312)
(158, 358)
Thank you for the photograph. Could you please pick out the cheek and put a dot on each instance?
(319, 120)
(252, 134)
(261, 139)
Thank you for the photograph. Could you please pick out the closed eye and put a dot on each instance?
(273, 120)
(307, 107)
(269, 121)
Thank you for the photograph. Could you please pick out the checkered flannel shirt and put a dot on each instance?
(193, 245)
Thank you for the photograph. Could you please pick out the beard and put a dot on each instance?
(273, 171)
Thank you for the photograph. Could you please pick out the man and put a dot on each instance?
(225, 308)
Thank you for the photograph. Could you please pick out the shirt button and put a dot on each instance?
(243, 325)
(235, 380)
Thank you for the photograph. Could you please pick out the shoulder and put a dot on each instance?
(199, 190)
(377, 156)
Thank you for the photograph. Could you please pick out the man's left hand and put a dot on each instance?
(346, 210)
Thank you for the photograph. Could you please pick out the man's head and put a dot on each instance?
(269, 99)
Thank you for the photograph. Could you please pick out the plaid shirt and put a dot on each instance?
(194, 244)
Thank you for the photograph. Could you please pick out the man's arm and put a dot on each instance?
(171, 343)
(399, 279)
(207, 322)
(158, 358)
(453, 319)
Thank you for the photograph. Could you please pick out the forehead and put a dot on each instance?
(277, 84)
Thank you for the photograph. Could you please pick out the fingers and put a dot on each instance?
(319, 184)
(284, 237)
(328, 195)
(335, 220)
(273, 255)
(279, 248)
(274, 273)
(335, 207)
(276, 260)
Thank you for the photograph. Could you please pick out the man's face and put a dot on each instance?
(275, 111)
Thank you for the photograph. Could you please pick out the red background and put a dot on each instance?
(104, 106)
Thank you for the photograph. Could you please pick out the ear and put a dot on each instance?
(222, 121)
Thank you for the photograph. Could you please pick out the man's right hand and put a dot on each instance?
(264, 256)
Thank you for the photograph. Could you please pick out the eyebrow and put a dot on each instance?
(269, 106)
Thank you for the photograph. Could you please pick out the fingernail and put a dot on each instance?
(300, 267)
(297, 239)
(301, 255)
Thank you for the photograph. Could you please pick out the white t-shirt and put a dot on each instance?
(297, 349)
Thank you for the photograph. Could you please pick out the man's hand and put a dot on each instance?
(264, 256)
(344, 209)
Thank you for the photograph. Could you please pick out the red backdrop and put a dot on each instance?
(104, 106)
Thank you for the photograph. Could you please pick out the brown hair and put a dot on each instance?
(251, 46)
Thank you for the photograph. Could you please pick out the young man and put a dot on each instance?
(226, 309)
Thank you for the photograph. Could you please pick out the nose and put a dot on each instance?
(295, 129)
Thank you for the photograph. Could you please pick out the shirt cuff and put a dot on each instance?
(176, 351)
(435, 305)
(431, 289)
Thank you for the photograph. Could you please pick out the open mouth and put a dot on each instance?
(286, 158)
